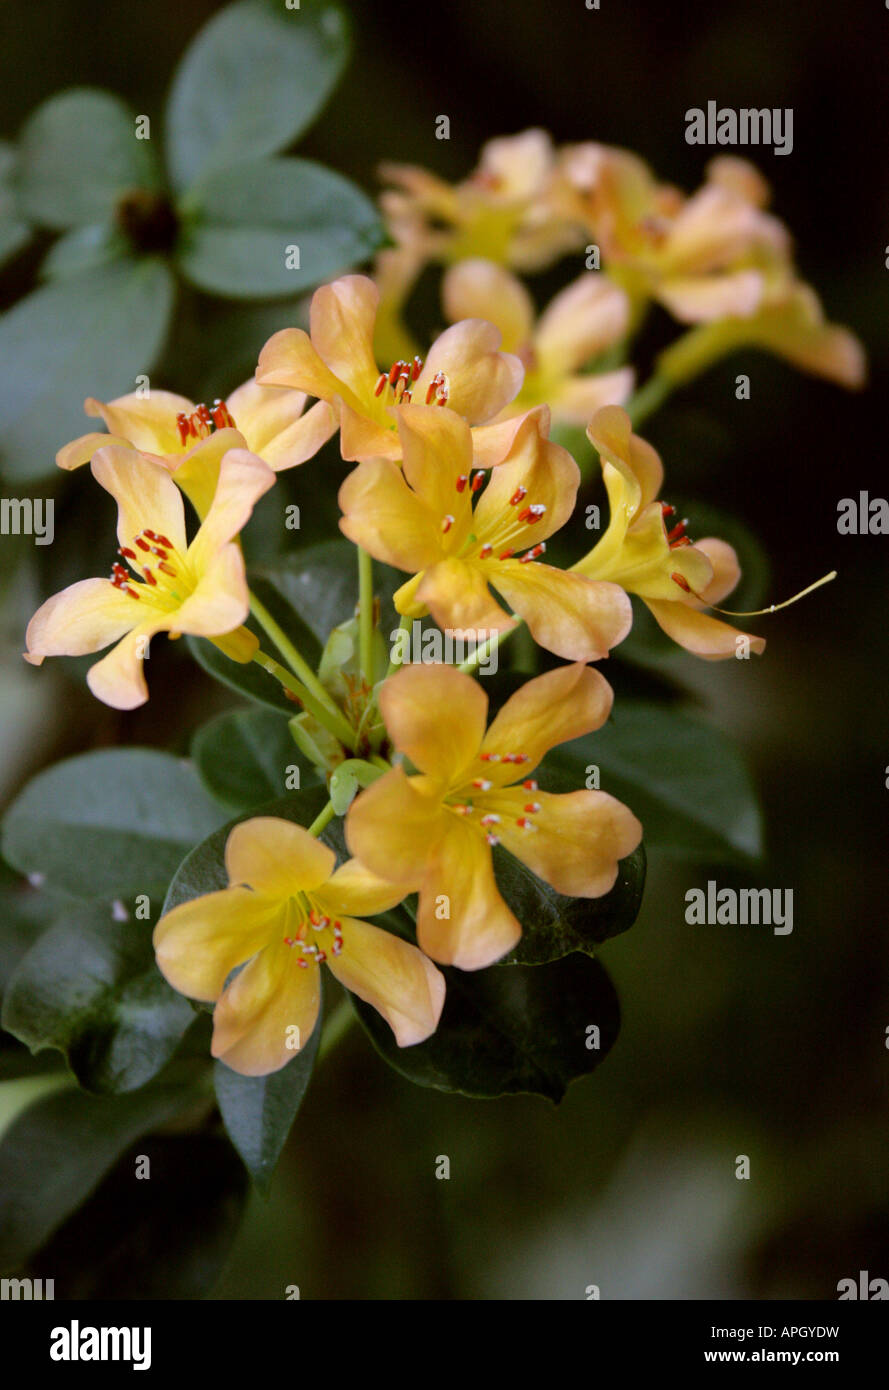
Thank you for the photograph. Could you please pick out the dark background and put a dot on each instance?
(733, 1042)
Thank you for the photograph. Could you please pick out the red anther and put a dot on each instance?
(183, 424)
(446, 523)
(681, 581)
(162, 540)
(523, 823)
(482, 785)
(517, 496)
(678, 530)
(462, 481)
(143, 545)
(462, 809)
(149, 534)
(394, 372)
(530, 785)
(302, 963)
(322, 955)
(203, 414)
(677, 545)
(489, 757)
(314, 917)
(532, 513)
(532, 806)
(406, 398)
(161, 554)
(431, 390)
(515, 757)
(337, 926)
(381, 382)
(338, 948)
(127, 553)
(478, 480)
(534, 553)
(148, 576)
(667, 509)
(417, 368)
(492, 839)
(507, 555)
(167, 569)
(485, 551)
(288, 941)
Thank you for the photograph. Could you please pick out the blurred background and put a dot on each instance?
(734, 1041)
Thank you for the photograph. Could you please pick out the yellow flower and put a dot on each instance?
(513, 209)
(433, 832)
(675, 577)
(171, 586)
(285, 912)
(420, 518)
(703, 257)
(190, 440)
(581, 322)
(464, 369)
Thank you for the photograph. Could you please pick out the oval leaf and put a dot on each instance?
(245, 757)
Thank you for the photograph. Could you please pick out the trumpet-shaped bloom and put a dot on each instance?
(464, 369)
(703, 257)
(434, 831)
(190, 440)
(513, 209)
(581, 322)
(284, 914)
(675, 577)
(421, 518)
(166, 584)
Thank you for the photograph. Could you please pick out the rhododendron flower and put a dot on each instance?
(675, 577)
(703, 257)
(166, 584)
(421, 518)
(582, 321)
(513, 209)
(464, 369)
(190, 440)
(434, 831)
(285, 912)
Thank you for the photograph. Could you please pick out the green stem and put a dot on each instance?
(403, 626)
(648, 399)
(483, 651)
(336, 1028)
(332, 720)
(365, 615)
(322, 819)
(297, 663)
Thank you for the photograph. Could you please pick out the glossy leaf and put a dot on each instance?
(243, 757)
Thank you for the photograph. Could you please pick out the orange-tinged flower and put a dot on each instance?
(581, 322)
(652, 557)
(703, 257)
(285, 912)
(464, 369)
(513, 209)
(190, 440)
(420, 518)
(434, 831)
(169, 586)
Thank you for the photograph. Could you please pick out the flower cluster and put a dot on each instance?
(458, 484)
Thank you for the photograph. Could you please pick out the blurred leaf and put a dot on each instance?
(14, 229)
(259, 1110)
(246, 678)
(554, 926)
(83, 248)
(90, 988)
(250, 81)
(24, 914)
(320, 584)
(243, 756)
(510, 1031)
(79, 153)
(253, 216)
(56, 1153)
(110, 824)
(683, 778)
(90, 334)
(162, 1237)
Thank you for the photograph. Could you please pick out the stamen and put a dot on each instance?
(517, 496)
(524, 824)
(515, 757)
(417, 368)
(478, 479)
(530, 785)
(378, 391)
(482, 785)
(462, 481)
(506, 555)
(489, 757)
(533, 554)
(532, 806)
(492, 840)
(532, 513)
(446, 523)
(680, 579)
(490, 819)
(485, 550)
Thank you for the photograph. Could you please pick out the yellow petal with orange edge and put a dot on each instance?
(393, 976)
(81, 450)
(587, 317)
(549, 476)
(481, 379)
(356, 889)
(544, 712)
(577, 618)
(276, 858)
(362, 434)
(575, 841)
(199, 943)
(480, 927)
(384, 516)
(197, 474)
(456, 593)
(119, 678)
(436, 715)
(478, 289)
(243, 479)
(726, 570)
(270, 995)
(577, 398)
(436, 452)
(700, 633)
(145, 494)
(390, 826)
(220, 601)
(146, 422)
(341, 321)
(83, 618)
(290, 359)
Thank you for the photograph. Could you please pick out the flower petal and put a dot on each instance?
(576, 841)
(391, 825)
(577, 618)
(146, 422)
(83, 618)
(144, 492)
(436, 715)
(393, 976)
(269, 996)
(199, 943)
(436, 452)
(457, 595)
(703, 298)
(220, 602)
(81, 450)
(577, 398)
(700, 633)
(546, 471)
(544, 712)
(479, 927)
(481, 380)
(355, 888)
(276, 858)
(590, 315)
(477, 289)
(290, 359)
(342, 320)
(119, 679)
(383, 515)
(197, 472)
(243, 479)
(726, 570)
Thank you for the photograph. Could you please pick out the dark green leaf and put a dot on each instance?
(245, 757)
(14, 229)
(320, 583)
(259, 1110)
(250, 82)
(159, 1237)
(247, 679)
(276, 227)
(84, 335)
(79, 153)
(90, 988)
(56, 1153)
(683, 778)
(110, 824)
(84, 248)
(527, 1029)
